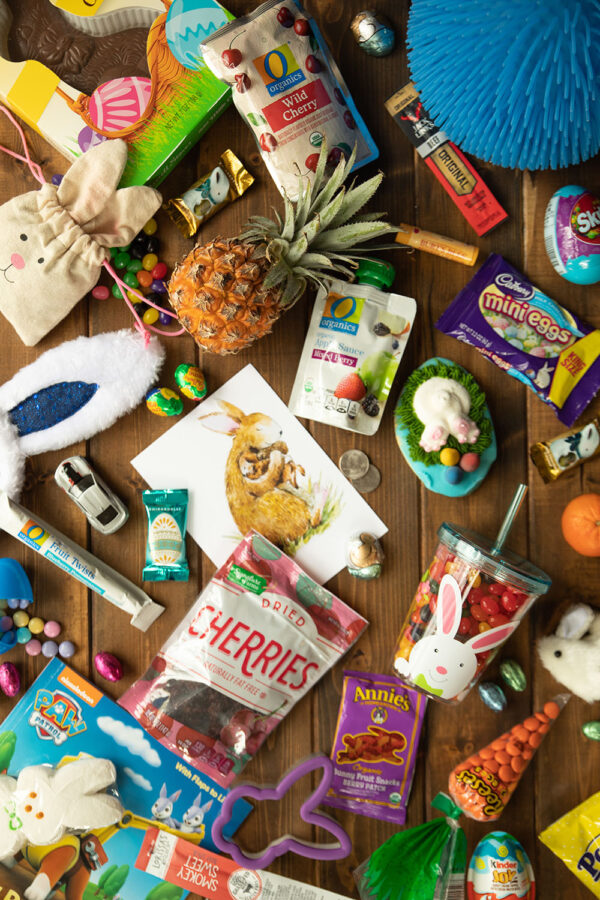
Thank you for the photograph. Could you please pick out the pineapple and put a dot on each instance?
(229, 292)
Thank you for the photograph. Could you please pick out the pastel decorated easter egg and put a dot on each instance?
(572, 234)
(108, 666)
(189, 22)
(119, 103)
(164, 402)
(500, 868)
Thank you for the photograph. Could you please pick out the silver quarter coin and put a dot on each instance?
(368, 482)
(354, 464)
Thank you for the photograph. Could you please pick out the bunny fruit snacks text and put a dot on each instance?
(259, 636)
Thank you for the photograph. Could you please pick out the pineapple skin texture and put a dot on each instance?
(218, 295)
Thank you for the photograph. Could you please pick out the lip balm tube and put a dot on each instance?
(85, 567)
(437, 244)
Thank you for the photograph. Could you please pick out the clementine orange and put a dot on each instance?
(581, 524)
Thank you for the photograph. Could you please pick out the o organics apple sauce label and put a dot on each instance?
(353, 348)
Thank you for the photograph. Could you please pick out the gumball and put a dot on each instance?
(313, 65)
(33, 647)
(23, 635)
(66, 649)
(149, 261)
(268, 142)
(23, 604)
(302, 27)
(3, 604)
(158, 286)
(49, 649)
(231, 58)
(52, 629)
(100, 292)
(144, 279)
(453, 474)
(6, 623)
(159, 270)
(150, 316)
(36, 625)
(134, 266)
(20, 618)
(449, 456)
(150, 227)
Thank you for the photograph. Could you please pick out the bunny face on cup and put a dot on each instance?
(440, 663)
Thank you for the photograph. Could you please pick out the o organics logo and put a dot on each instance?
(33, 534)
(56, 717)
(585, 218)
(342, 313)
(279, 70)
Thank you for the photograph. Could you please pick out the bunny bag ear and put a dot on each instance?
(84, 776)
(95, 811)
(489, 639)
(449, 606)
(89, 194)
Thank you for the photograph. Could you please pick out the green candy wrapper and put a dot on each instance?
(428, 862)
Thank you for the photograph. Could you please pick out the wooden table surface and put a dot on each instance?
(565, 769)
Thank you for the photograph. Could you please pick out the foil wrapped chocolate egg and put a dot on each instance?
(108, 666)
(10, 680)
(364, 557)
(492, 695)
(513, 675)
(164, 402)
(500, 868)
(190, 381)
(591, 730)
(373, 32)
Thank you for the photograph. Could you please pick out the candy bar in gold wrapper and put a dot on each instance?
(214, 190)
(566, 451)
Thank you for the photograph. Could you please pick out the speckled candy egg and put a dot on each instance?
(10, 680)
(119, 103)
(164, 402)
(572, 234)
(496, 856)
(108, 666)
(188, 24)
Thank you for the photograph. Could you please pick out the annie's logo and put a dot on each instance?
(56, 716)
(382, 697)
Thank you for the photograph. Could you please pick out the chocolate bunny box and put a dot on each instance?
(81, 73)
(62, 717)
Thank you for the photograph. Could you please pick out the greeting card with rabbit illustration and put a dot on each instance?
(248, 463)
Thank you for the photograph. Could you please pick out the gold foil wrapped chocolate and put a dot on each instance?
(566, 451)
(210, 193)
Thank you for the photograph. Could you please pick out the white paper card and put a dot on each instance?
(251, 464)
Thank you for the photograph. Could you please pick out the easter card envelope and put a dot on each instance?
(248, 463)
(63, 716)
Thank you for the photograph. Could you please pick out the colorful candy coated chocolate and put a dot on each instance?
(108, 666)
(119, 103)
(6, 623)
(52, 629)
(49, 649)
(10, 680)
(500, 869)
(36, 625)
(20, 618)
(164, 402)
(33, 647)
(572, 234)
(66, 649)
(492, 695)
(190, 381)
(23, 635)
(512, 673)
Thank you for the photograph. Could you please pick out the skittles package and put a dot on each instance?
(576, 840)
(375, 746)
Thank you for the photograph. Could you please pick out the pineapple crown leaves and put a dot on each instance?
(321, 234)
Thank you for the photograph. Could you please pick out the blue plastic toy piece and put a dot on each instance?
(8, 639)
(529, 97)
(14, 583)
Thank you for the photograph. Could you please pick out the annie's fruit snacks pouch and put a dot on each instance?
(527, 334)
(423, 863)
(289, 90)
(575, 838)
(378, 730)
(355, 341)
(483, 784)
(260, 635)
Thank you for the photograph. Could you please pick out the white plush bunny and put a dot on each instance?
(439, 663)
(572, 653)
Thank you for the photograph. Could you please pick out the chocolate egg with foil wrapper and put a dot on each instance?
(500, 868)
(492, 695)
(190, 381)
(164, 402)
(513, 675)
(373, 32)
(364, 557)
(108, 666)
(10, 680)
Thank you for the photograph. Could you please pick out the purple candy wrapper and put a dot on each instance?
(527, 334)
(375, 746)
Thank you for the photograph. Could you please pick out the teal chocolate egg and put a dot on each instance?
(190, 381)
(492, 695)
(164, 402)
(591, 730)
(513, 675)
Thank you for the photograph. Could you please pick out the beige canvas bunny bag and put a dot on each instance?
(54, 241)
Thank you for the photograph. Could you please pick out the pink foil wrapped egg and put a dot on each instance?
(10, 680)
(119, 103)
(108, 666)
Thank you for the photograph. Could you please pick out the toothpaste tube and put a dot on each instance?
(85, 567)
(215, 877)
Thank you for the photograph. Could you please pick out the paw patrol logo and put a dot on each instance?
(56, 717)
(279, 70)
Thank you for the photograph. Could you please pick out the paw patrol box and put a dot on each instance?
(84, 71)
(63, 716)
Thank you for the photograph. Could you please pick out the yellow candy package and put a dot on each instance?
(576, 840)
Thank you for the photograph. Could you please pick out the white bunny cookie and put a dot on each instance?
(441, 664)
(54, 241)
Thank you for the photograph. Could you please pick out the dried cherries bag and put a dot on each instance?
(258, 637)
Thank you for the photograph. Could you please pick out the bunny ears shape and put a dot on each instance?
(287, 843)
(449, 614)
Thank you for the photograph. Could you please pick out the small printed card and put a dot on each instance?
(248, 463)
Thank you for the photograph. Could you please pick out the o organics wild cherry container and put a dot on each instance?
(468, 602)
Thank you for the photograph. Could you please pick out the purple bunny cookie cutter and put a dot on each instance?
(287, 843)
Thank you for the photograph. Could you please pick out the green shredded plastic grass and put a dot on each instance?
(406, 416)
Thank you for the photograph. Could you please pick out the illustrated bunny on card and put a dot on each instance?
(162, 808)
(193, 817)
(54, 241)
(441, 664)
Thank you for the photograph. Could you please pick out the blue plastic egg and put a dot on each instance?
(500, 868)
(14, 584)
(572, 234)
(189, 22)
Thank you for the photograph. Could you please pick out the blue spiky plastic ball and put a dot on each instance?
(515, 82)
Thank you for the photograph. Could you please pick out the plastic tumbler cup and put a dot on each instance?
(468, 602)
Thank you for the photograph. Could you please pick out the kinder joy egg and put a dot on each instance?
(500, 869)
(189, 22)
(572, 234)
(119, 103)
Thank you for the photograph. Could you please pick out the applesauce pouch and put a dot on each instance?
(355, 341)
(288, 89)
